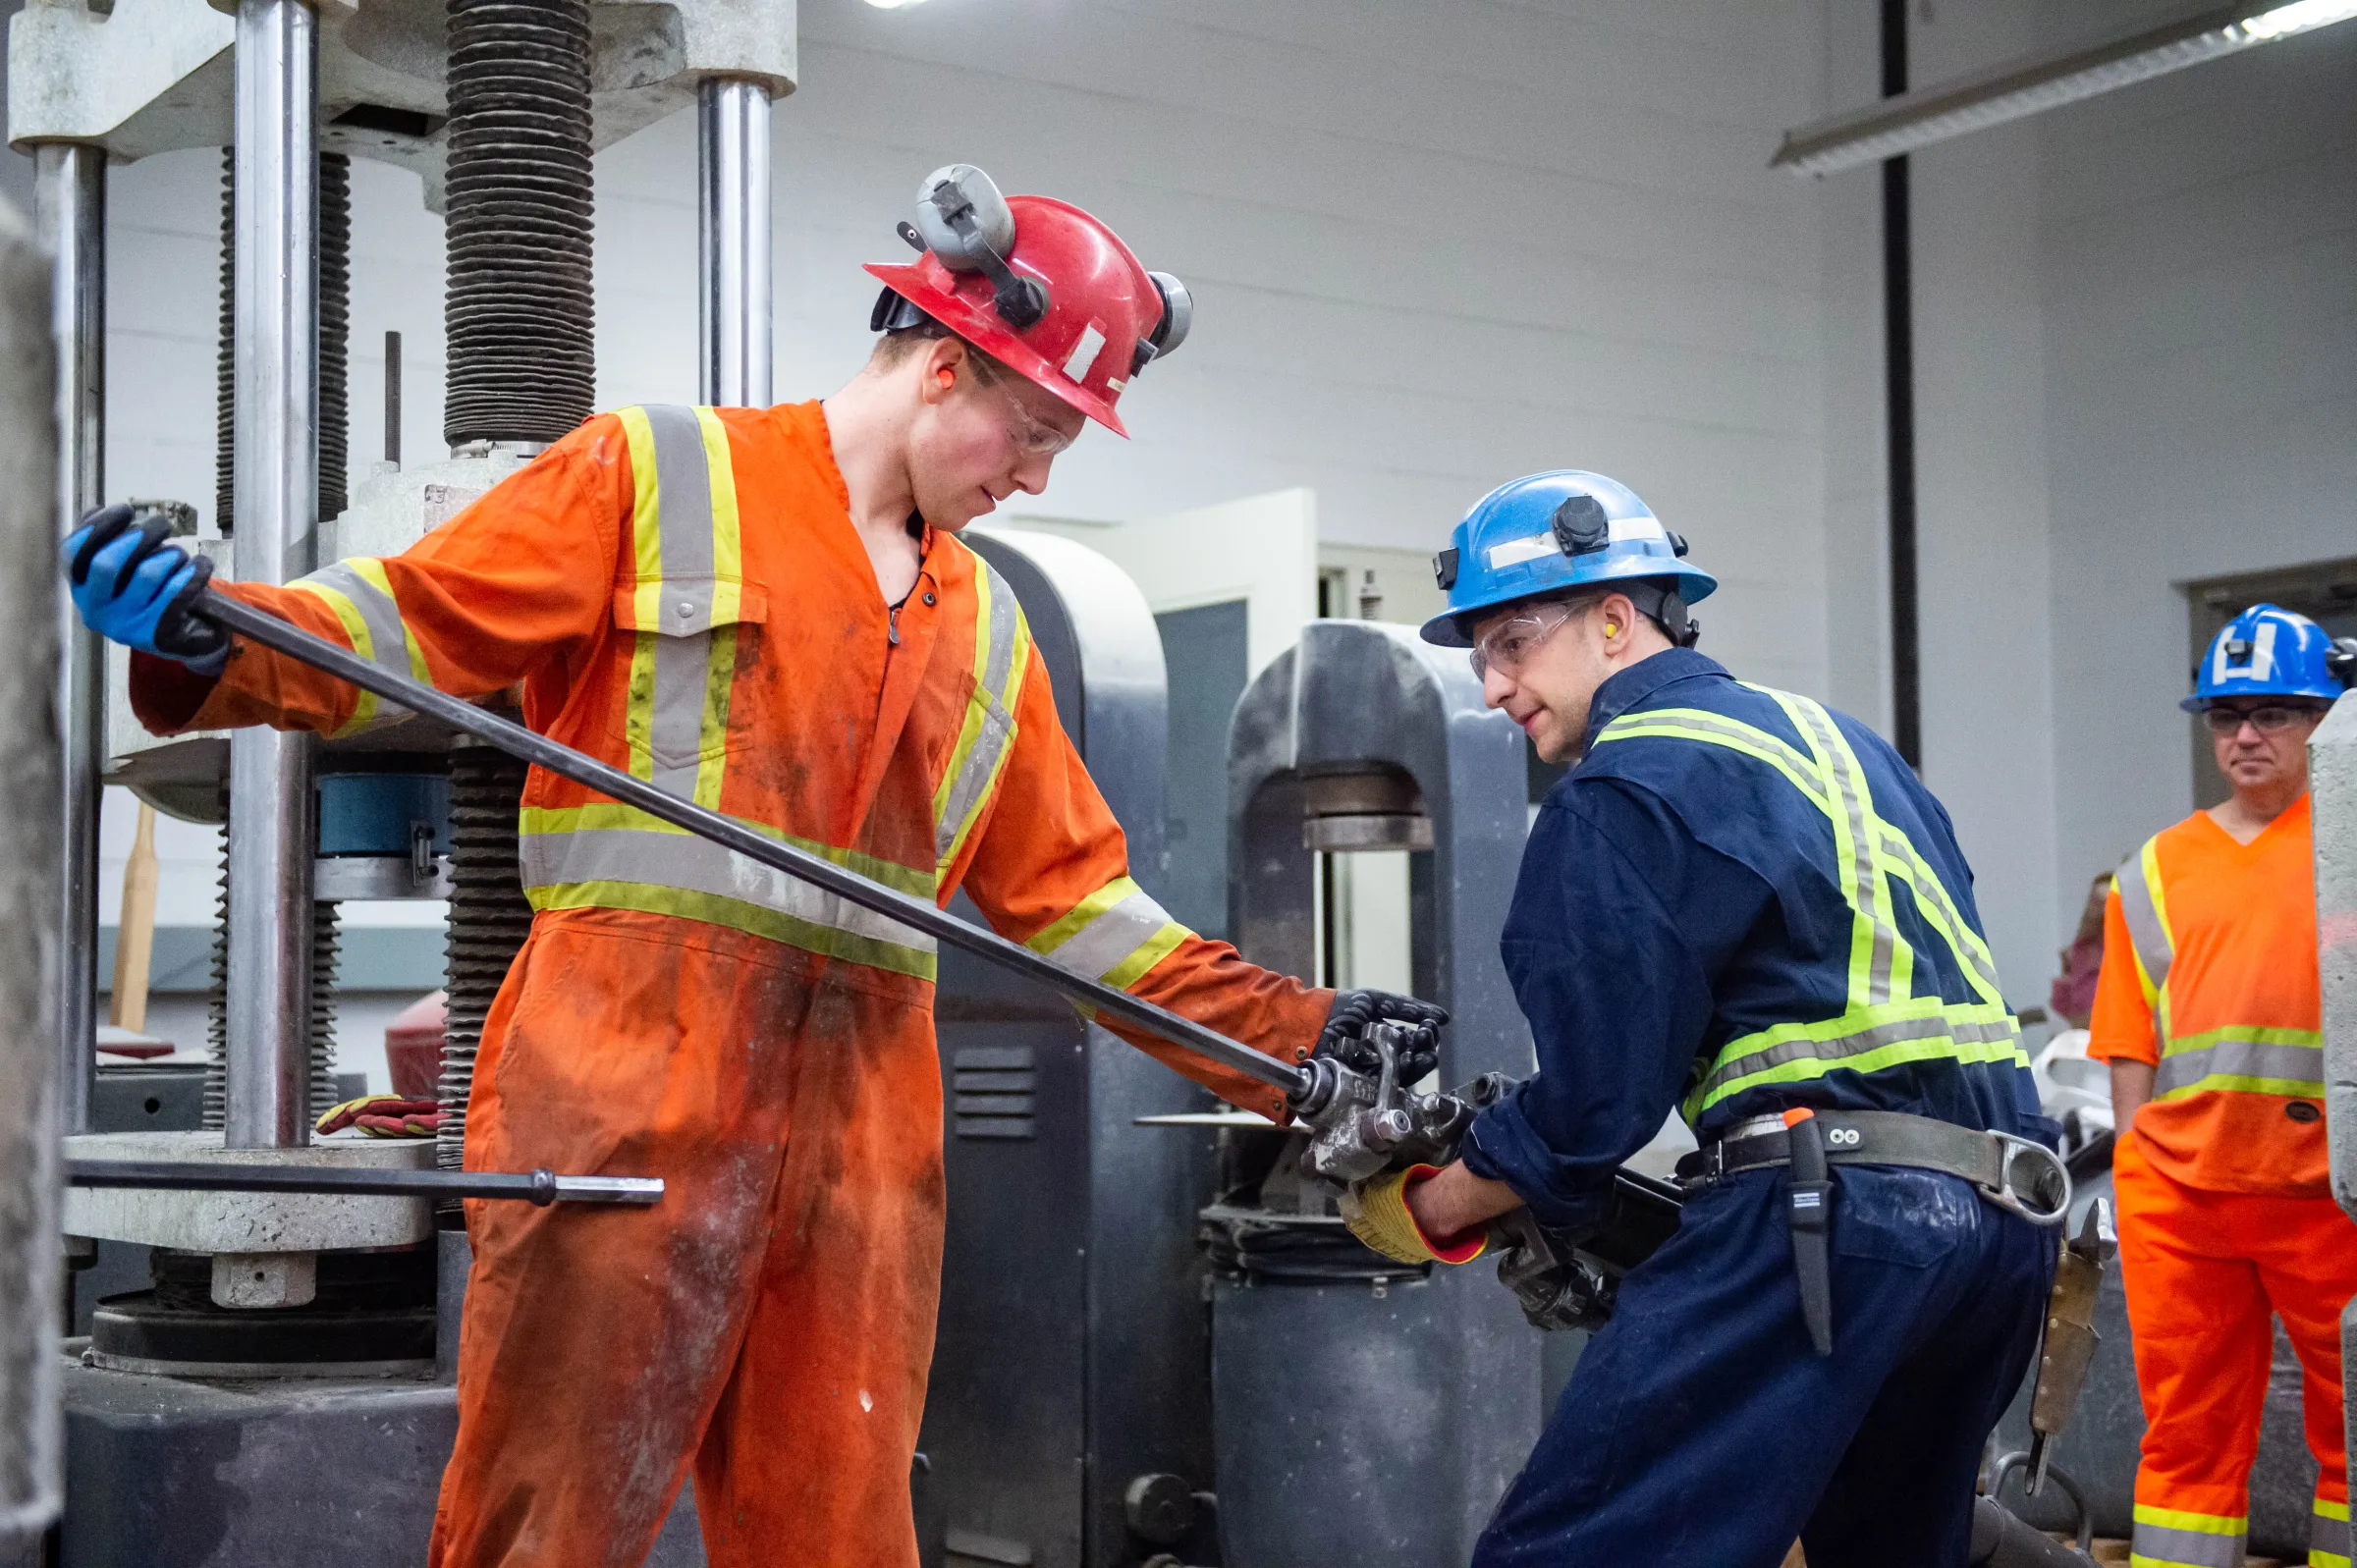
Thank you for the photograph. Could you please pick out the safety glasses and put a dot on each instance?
(1032, 436)
(2268, 721)
(1505, 645)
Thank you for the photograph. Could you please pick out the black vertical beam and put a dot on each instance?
(1898, 395)
(393, 398)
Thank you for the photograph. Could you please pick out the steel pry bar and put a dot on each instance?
(921, 914)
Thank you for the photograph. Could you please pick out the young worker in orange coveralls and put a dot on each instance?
(766, 610)
(2209, 1011)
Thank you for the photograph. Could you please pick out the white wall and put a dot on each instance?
(2200, 239)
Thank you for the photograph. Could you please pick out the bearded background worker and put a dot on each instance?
(1743, 905)
(766, 612)
(2209, 1010)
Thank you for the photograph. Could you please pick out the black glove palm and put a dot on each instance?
(1344, 1037)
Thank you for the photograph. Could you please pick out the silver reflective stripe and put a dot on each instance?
(1865, 887)
(388, 642)
(2242, 1059)
(981, 763)
(698, 865)
(1802, 1047)
(2197, 1548)
(2328, 1538)
(2145, 932)
(1096, 948)
(684, 649)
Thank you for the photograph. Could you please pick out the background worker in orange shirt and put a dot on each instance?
(2209, 1013)
(764, 610)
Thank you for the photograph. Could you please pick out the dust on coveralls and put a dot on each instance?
(682, 592)
(2226, 1207)
(1740, 902)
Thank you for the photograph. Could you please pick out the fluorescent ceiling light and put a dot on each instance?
(893, 5)
(2024, 88)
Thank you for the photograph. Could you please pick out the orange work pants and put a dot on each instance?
(2204, 1271)
(770, 1320)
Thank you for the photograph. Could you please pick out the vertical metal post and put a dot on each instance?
(1898, 392)
(31, 1439)
(277, 462)
(2332, 789)
(733, 242)
(71, 204)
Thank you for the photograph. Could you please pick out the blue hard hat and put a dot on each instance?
(1548, 533)
(2267, 652)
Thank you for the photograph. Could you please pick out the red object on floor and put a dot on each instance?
(413, 1047)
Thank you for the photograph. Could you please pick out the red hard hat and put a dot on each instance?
(1105, 314)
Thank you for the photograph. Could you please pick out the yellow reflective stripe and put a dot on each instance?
(1881, 964)
(646, 516)
(753, 919)
(1697, 724)
(356, 632)
(612, 814)
(1117, 934)
(2178, 1538)
(2328, 1540)
(986, 735)
(727, 543)
(1867, 1040)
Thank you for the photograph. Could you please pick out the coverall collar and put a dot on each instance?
(1641, 681)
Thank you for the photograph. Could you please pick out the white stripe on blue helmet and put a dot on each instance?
(1549, 532)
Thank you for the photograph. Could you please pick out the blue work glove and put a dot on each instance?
(133, 585)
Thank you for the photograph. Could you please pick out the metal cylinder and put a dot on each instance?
(31, 1446)
(733, 304)
(277, 351)
(2332, 786)
(489, 918)
(518, 308)
(71, 197)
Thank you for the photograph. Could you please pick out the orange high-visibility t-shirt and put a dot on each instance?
(2240, 922)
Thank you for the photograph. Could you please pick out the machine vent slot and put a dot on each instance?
(991, 1090)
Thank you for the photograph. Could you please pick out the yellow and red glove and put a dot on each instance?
(383, 1117)
(1377, 1212)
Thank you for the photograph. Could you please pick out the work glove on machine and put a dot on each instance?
(133, 585)
(1344, 1037)
(1376, 1211)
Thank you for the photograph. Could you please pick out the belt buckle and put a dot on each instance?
(2009, 1198)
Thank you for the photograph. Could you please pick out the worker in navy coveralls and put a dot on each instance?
(1745, 905)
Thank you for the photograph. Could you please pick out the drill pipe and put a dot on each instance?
(1091, 995)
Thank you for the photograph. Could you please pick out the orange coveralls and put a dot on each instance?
(2225, 1210)
(680, 593)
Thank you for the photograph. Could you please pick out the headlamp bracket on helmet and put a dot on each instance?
(1582, 527)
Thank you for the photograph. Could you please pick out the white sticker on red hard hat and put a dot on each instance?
(1077, 364)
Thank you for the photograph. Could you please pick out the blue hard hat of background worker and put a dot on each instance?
(1547, 533)
(2268, 652)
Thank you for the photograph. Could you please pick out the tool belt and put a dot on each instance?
(2016, 1174)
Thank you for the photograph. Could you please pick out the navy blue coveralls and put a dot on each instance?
(1739, 902)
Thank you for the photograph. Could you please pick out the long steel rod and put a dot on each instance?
(71, 204)
(277, 465)
(921, 914)
(732, 186)
(532, 1186)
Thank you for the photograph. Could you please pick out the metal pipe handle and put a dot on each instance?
(538, 1187)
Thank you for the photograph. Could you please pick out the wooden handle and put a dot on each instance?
(135, 930)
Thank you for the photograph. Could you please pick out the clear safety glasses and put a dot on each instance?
(1506, 644)
(1030, 436)
(2268, 721)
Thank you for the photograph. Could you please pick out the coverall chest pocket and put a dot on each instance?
(684, 640)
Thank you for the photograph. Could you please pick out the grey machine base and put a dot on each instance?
(2099, 1451)
(169, 1473)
